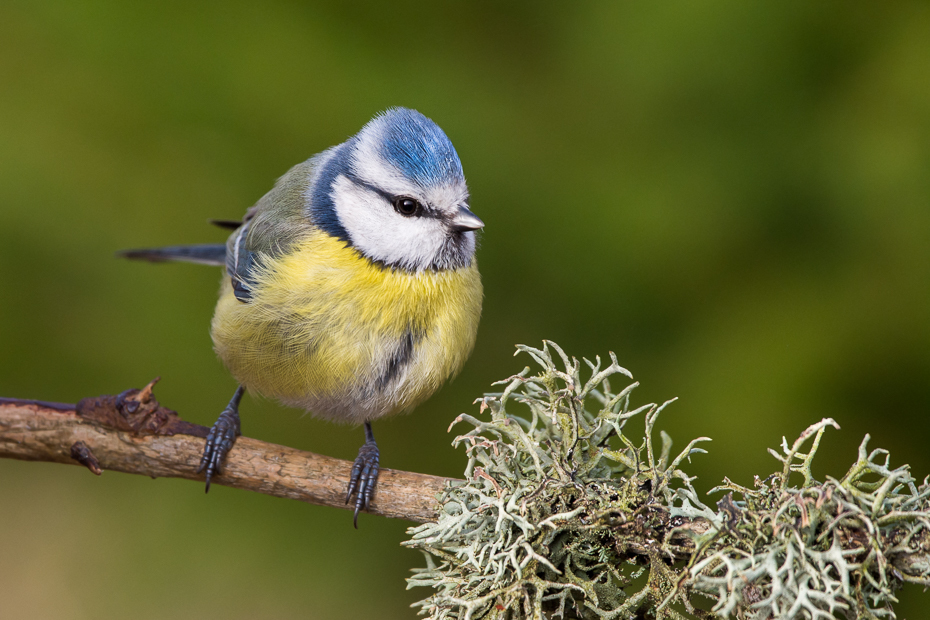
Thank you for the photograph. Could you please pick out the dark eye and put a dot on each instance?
(406, 206)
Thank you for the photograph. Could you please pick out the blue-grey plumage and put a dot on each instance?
(351, 288)
(205, 254)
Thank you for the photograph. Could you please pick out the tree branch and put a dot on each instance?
(552, 508)
(132, 433)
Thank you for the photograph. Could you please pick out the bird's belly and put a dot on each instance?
(348, 341)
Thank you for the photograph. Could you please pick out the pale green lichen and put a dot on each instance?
(819, 549)
(563, 515)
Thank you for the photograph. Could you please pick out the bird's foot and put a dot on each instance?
(364, 474)
(221, 438)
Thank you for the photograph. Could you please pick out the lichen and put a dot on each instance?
(563, 515)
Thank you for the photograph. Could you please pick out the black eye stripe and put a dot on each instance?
(424, 211)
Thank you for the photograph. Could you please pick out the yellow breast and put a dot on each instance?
(331, 332)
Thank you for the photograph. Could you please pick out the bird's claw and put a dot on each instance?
(220, 441)
(364, 476)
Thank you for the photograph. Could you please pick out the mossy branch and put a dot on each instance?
(564, 511)
(568, 514)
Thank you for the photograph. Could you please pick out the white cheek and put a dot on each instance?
(382, 234)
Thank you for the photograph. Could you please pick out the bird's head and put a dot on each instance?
(396, 193)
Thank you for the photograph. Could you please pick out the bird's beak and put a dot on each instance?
(465, 220)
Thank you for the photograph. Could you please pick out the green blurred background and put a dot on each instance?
(734, 197)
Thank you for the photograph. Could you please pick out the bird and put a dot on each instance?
(351, 289)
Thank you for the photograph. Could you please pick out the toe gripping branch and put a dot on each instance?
(364, 474)
(221, 438)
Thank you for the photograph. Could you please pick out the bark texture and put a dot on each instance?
(132, 433)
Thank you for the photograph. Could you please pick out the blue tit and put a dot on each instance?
(350, 289)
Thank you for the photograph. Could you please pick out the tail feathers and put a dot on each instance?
(228, 224)
(206, 254)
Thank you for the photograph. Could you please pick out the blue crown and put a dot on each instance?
(416, 146)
